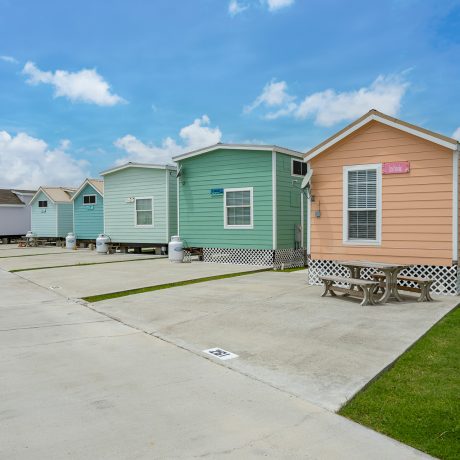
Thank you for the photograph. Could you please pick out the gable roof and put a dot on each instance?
(56, 194)
(375, 115)
(10, 198)
(211, 148)
(136, 165)
(97, 184)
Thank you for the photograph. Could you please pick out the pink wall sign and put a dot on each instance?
(396, 167)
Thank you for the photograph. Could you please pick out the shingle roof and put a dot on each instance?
(98, 184)
(7, 196)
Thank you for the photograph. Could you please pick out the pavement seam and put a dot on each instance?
(55, 325)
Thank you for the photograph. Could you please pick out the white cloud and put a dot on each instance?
(274, 5)
(9, 59)
(234, 8)
(28, 162)
(330, 107)
(274, 94)
(194, 136)
(84, 86)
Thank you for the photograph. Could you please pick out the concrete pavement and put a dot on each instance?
(76, 384)
(323, 349)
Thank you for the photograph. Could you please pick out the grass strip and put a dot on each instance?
(158, 287)
(292, 269)
(83, 264)
(417, 400)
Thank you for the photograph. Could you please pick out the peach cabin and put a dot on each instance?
(384, 190)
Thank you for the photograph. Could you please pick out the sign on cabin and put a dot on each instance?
(216, 191)
(396, 167)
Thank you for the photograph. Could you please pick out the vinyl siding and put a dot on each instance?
(44, 224)
(172, 204)
(88, 220)
(288, 199)
(416, 207)
(202, 215)
(120, 215)
(65, 219)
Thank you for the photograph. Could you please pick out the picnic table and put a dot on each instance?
(390, 271)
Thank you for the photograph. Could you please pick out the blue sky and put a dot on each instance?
(87, 84)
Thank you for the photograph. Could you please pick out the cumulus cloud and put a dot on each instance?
(27, 162)
(456, 134)
(9, 59)
(235, 7)
(330, 107)
(194, 136)
(274, 94)
(274, 5)
(83, 86)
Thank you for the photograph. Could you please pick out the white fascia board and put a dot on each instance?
(134, 165)
(393, 124)
(82, 186)
(38, 193)
(267, 148)
(12, 205)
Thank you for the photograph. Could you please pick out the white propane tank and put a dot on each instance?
(102, 244)
(70, 241)
(176, 249)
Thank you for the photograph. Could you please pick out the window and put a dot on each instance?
(89, 199)
(43, 204)
(299, 168)
(362, 204)
(144, 212)
(238, 208)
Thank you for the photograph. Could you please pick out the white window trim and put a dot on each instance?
(240, 227)
(378, 240)
(292, 167)
(135, 212)
(90, 204)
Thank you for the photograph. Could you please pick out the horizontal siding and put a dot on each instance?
(65, 219)
(202, 215)
(44, 219)
(88, 220)
(416, 207)
(288, 210)
(120, 215)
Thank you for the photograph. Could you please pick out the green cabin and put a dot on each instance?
(52, 212)
(88, 210)
(243, 204)
(140, 204)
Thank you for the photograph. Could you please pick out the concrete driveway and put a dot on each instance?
(76, 384)
(321, 349)
(83, 281)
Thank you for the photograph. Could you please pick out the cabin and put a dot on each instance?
(14, 213)
(243, 204)
(88, 210)
(387, 191)
(52, 212)
(140, 205)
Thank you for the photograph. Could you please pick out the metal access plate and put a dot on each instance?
(220, 353)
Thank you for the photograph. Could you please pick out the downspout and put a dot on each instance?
(455, 206)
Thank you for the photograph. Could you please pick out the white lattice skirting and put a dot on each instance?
(446, 279)
(286, 258)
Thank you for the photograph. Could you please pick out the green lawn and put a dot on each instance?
(417, 401)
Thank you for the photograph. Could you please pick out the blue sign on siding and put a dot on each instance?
(217, 191)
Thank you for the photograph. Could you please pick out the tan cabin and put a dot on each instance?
(387, 191)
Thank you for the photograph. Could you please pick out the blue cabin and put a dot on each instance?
(52, 212)
(88, 210)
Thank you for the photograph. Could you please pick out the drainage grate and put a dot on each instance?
(220, 353)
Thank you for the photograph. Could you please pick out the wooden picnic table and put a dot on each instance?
(390, 271)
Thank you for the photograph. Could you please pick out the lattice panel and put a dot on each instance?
(446, 279)
(289, 258)
(239, 256)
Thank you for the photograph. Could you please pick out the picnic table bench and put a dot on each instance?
(358, 287)
(424, 285)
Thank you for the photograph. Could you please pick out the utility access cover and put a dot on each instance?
(220, 353)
